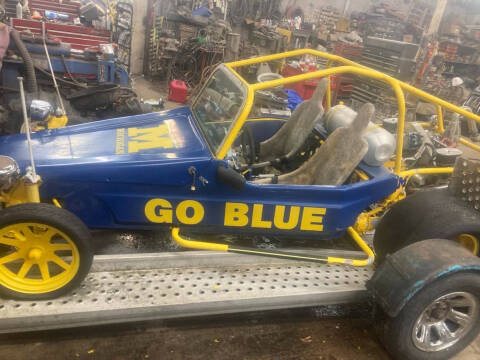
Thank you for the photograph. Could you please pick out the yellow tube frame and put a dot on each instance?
(469, 144)
(199, 245)
(409, 173)
(23, 192)
(33, 193)
(347, 66)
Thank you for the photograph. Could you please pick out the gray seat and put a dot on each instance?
(289, 139)
(336, 159)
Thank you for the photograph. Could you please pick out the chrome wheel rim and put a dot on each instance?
(445, 321)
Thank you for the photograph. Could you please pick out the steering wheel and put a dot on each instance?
(248, 145)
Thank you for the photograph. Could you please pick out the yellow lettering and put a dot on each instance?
(279, 217)
(120, 142)
(191, 212)
(257, 218)
(159, 211)
(149, 138)
(312, 219)
(236, 214)
(197, 215)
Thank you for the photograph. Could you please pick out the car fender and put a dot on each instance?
(406, 272)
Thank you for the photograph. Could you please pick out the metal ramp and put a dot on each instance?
(124, 288)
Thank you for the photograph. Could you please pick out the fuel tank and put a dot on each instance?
(381, 143)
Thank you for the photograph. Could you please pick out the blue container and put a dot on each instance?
(202, 11)
(52, 15)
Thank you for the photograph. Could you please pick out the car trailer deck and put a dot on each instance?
(126, 288)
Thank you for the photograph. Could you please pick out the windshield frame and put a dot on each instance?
(240, 84)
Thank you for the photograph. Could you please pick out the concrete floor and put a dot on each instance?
(470, 353)
(316, 333)
(146, 90)
(278, 335)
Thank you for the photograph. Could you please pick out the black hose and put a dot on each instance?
(248, 140)
(31, 81)
(48, 74)
(70, 74)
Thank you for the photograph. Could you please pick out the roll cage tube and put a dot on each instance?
(348, 67)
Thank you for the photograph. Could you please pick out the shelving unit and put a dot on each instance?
(394, 58)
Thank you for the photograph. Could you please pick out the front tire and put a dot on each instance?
(45, 252)
(438, 322)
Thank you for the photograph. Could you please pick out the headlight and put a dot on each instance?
(9, 172)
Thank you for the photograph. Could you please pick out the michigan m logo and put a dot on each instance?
(149, 138)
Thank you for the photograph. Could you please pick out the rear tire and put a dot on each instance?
(431, 214)
(401, 334)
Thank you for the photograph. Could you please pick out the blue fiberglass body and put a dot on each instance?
(110, 172)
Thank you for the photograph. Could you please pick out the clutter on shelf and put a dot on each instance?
(74, 55)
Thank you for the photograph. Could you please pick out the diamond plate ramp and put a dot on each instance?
(128, 288)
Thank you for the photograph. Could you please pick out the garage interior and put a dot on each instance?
(83, 63)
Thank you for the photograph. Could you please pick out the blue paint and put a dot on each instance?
(457, 268)
(421, 283)
(449, 270)
(104, 70)
(415, 288)
(81, 167)
(264, 129)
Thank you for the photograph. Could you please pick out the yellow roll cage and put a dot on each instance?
(347, 66)
(364, 221)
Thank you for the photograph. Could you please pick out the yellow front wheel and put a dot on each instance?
(44, 251)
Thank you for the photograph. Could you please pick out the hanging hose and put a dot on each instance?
(31, 83)
(70, 74)
(49, 75)
(54, 79)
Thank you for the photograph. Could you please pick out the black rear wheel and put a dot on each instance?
(431, 214)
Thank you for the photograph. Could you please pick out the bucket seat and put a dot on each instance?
(289, 139)
(335, 159)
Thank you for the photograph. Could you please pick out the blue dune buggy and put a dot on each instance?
(214, 170)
